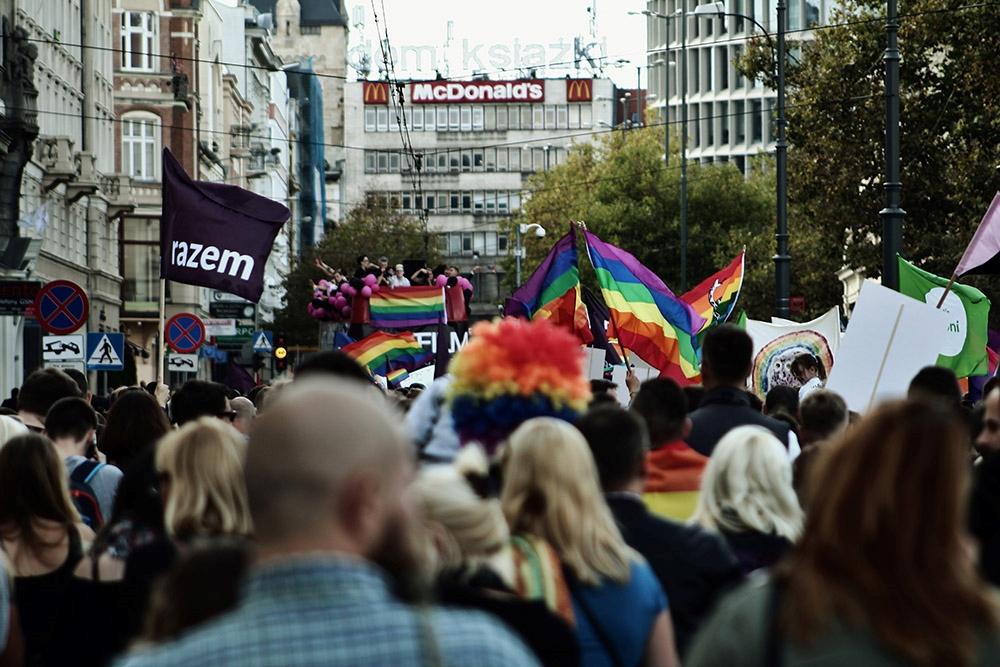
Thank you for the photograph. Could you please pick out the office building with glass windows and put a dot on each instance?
(477, 141)
(730, 118)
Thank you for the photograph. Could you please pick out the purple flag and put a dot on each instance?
(981, 257)
(215, 235)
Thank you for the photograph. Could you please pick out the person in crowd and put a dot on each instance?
(71, 424)
(808, 370)
(81, 383)
(134, 424)
(203, 584)
(332, 363)
(201, 481)
(551, 490)
(747, 496)
(421, 277)
(673, 470)
(382, 271)
(40, 390)
(398, 278)
(694, 393)
(429, 422)
(855, 590)
(199, 398)
(824, 416)
(11, 402)
(43, 538)
(245, 411)
(726, 361)
(472, 560)
(10, 427)
(694, 566)
(327, 470)
(984, 505)
(364, 267)
(781, 399)
(936, 384)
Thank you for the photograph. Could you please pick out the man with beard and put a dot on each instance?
(327, 470)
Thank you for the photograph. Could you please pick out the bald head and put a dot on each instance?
(325, 452)
(245, 412)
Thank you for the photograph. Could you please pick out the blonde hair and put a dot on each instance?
(747, 486)
(551, 490)
(203, 461)
(467, 529)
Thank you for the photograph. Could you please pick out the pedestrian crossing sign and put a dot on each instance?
(263, 341)
(105, 351)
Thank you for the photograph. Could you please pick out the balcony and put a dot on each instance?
(117, 189)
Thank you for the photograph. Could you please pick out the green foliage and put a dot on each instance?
(373, 230)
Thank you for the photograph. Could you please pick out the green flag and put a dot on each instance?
(741, 320)
(965, 346)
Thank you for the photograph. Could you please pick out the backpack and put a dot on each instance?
(83, 494)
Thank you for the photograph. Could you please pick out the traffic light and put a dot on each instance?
(280, 353)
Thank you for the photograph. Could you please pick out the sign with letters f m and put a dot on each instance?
(215, 235)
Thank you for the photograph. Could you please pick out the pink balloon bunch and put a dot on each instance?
(331, 303)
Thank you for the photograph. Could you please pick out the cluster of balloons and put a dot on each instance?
(444, 281)
(333, 303)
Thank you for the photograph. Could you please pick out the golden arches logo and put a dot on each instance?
(376, 92)
(579, 90)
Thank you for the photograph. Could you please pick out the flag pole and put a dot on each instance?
(947, 288)
(162, 341)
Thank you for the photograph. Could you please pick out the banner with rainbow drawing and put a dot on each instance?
(777, 343)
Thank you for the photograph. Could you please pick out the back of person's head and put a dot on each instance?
(137, 501)
(822, 415)
(332, 363)
(662, 405)
(72, 418)
(990, 385)
(747, 486)
(602, 386)
(43, 388)
(693, 393)
(782, 398)
(726, 355)
(807, 362)
(326, 464)
(80, 379)
(887, 507)
(245, 412)
(33, 486)
(9, 428)
(201, 467)
(551, 490)
(466, 525)
(618, 442)
(936, 384)
(198, 398)
(135, 422)
(205, 583)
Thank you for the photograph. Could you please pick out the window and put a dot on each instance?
(526, 117)
(138, 37)
(478, 201)
(406, 201)
(501, 160)
(383, 162)
(394, 163)
(515, 117)
(442, 123)
(537, 116)
(501, 117)
(501, 245)
(586, 115)
(477, 159)
(491, 201)
(369, 120)
(502, 202)
(382, 115)
(491, 118)
(477, 118)
(453, 119)
(756, 121)
(455, 202)
(467, 160)
(417, 119)
(369, 162)
(453, 160)
(515, 159)
(442, 161)
(466, 201)
(561, 116)
(140, 147)
(515, 201)
(466, 119)
(491, 159)
(394, 120)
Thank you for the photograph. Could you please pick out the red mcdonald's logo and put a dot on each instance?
(579, 90)
(376, 92)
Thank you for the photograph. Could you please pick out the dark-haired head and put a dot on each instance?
(198, 398)
(332, 363)
(782, 398)
(936, 384)
(618, 441)
(805, 367)
(135, 422)
(726, 357)
(662, 405)
(43, 388)
(71, 419)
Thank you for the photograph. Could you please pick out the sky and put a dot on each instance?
(497, 38)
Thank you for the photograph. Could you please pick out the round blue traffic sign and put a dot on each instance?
(185, 332)
(61, 307)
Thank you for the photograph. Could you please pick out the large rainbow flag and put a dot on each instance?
(382, 353)
(405, 307)
(553, 291)
(649, 319)
(715, 297)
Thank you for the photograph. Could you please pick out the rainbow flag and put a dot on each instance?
(394, 378)
(715, 297)
(406, 307)
(673, 480)
(553, 291)
(649, 319)
(382, 352)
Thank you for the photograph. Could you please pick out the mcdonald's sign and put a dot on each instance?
(579, 90)
(375, 92)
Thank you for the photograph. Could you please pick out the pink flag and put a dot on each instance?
(982, 257)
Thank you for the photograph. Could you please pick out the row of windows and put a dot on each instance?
(481, 118)
(468, 243)
(489, 202)
(520, 159)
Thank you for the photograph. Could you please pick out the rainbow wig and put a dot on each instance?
(510, 371)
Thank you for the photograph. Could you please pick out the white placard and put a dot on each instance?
(424, 376)
(220, 327)
(595, 363)
(618, 377)
(182, 363)
(67, 365)
(889, 338)
(64, 348)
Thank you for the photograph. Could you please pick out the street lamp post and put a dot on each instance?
(892, 215)
(519, 231)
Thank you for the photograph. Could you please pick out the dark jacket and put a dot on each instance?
(756, 551)
(694, 566)
(984, 515)
(723, 409)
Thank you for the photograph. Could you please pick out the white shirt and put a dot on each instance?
(809, 387)
(397, 281)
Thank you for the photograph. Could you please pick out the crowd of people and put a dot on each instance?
(395, 275)
(501, 516)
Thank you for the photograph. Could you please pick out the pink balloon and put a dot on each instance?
(344, 287)
(350, 291)
(464, 283)
(340, 302)
(324, 283)
(332, 300)
(366, 291)
(376, 289)
(346, 312)
(369, 280)
(441, 280)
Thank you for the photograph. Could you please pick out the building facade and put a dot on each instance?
(477, 142)
(730, 118)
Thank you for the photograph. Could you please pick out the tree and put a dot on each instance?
(371, 229)
(950, 130)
